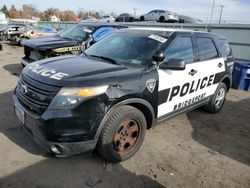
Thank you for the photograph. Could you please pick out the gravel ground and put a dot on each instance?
(195, 149)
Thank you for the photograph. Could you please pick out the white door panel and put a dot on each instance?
(179, 89)
(173, 80)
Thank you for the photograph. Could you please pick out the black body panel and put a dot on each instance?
(83, 71)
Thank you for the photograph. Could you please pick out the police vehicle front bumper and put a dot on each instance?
(24, 62)
(34, 125)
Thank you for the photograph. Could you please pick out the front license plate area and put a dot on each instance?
(19, 114)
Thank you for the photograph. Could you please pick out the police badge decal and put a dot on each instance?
(151, 83)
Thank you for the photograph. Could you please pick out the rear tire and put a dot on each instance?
(122, 134)
(162, 19)
(216, 103)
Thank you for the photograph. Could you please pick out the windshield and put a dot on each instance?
(75, 32)
(126, 48)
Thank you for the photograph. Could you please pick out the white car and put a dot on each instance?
(89, 19)
(160, 16)
(107, 18)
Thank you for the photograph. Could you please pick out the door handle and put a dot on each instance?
(192, 72)
(220, 65)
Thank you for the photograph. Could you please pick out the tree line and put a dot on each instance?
(28, 11)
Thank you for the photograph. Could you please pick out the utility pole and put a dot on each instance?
(221, 6)
(134, 11)
(211, 16)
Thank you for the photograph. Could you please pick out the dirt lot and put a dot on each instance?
(192, 150)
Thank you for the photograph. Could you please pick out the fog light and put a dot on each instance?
(56, 149)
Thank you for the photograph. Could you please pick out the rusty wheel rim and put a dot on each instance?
(127, 136)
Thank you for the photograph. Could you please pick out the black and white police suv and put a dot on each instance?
(121, 86)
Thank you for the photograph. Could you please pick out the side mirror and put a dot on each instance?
(174, 64)
(158, 57)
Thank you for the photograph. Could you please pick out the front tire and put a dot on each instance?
(122, 134)
(216, 103)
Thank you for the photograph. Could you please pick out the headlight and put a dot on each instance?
(69, 98)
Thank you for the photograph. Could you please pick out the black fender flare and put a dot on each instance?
(227, 76)
(124, 102)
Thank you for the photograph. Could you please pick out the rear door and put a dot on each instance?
(211, 65)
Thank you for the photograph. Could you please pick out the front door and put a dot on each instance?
(179, 89)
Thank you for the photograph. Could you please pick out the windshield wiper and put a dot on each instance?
(87, 55)
(105, 58)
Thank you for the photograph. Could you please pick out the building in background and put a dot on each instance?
(54, 19)
(3, 19)
(35, 18)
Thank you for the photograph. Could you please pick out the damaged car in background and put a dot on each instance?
(18, 37)
(11, 28)
(73, 40)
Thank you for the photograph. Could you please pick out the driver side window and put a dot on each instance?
(181, 48)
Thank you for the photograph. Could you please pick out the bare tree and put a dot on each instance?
(14, 13)
(68, 15)
(29, 10)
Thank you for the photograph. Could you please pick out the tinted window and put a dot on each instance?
(181, 48)
(206, 48)
(224, 48)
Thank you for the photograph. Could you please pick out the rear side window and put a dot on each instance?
(224, 48)
(206, 48)
(181, 48)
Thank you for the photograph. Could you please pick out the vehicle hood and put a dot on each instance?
(50, 43)
(79, 71)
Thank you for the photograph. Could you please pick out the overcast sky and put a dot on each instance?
(236, 10)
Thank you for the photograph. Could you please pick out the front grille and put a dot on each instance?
(35, 96)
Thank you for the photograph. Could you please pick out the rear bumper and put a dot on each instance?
(172, 18)
(34, 127)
